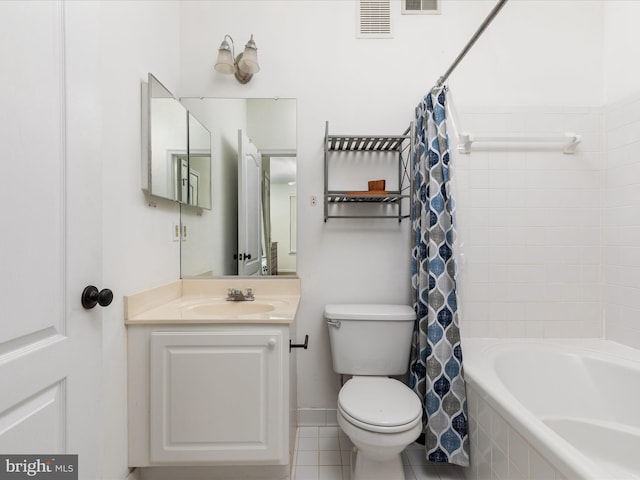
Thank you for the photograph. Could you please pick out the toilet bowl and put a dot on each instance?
(381, 416)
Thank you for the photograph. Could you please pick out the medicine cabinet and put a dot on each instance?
(176, 149)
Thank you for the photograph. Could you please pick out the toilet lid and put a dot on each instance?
(379, 401)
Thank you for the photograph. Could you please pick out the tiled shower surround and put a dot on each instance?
(551, 242)
(530, 225)
(550, 248)
(621, 224)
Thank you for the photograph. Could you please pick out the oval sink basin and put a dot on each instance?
(231, 308)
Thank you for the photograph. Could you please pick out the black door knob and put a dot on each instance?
(92, 297)
(246, 256)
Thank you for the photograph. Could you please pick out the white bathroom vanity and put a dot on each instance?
(210, 382)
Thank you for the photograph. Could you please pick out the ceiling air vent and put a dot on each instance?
(420, 7)
(374, 19)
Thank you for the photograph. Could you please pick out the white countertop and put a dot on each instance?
(198, 301)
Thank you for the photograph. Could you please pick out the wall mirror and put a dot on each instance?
(248, 230)
(199, 164)
(176, 149)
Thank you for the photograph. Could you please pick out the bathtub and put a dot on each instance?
(552, 409)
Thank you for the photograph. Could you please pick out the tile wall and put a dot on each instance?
(498, 451)
(530, 224)
(621, 224)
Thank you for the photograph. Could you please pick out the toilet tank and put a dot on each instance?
(370, 339)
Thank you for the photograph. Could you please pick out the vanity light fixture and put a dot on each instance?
(243, 66)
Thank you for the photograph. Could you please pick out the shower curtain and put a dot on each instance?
(436, 373)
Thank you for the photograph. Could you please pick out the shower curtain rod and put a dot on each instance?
(471, 42)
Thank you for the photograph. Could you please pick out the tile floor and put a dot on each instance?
(324, 453)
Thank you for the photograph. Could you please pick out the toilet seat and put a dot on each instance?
(379, 404)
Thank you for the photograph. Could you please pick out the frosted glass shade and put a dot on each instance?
(249, 61)
(243, 66)
(224, 63)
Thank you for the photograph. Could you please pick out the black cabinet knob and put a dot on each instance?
(92, 297)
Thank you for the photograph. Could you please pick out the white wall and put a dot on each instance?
(138, 252)
(621, 48)
(537, 53)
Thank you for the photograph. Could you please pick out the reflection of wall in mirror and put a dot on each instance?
(272, 127)
(281, 225)
(293, 224)
(224, 117)
(168, 135)
(271, 124)
(216, 229)
(200, 161)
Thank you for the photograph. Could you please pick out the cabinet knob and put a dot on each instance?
(272, 342)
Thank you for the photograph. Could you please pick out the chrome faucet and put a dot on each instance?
(236, 295)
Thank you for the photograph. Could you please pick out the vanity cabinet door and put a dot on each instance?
(218, 397)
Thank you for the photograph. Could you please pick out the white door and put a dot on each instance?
(266, 218)
(249, 205)
(181, 182)
(50, 347)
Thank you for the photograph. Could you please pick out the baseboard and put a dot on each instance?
(317, 417)
(248, 472)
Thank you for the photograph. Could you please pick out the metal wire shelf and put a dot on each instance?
(401, 145)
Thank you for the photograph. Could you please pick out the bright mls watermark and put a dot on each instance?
(50, 467)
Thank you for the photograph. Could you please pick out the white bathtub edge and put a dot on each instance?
(479, 374)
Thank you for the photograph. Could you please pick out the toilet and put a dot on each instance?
(380, 415)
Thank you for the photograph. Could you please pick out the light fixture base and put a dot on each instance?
(241, 76)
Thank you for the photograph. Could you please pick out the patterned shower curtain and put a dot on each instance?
(436, 373)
